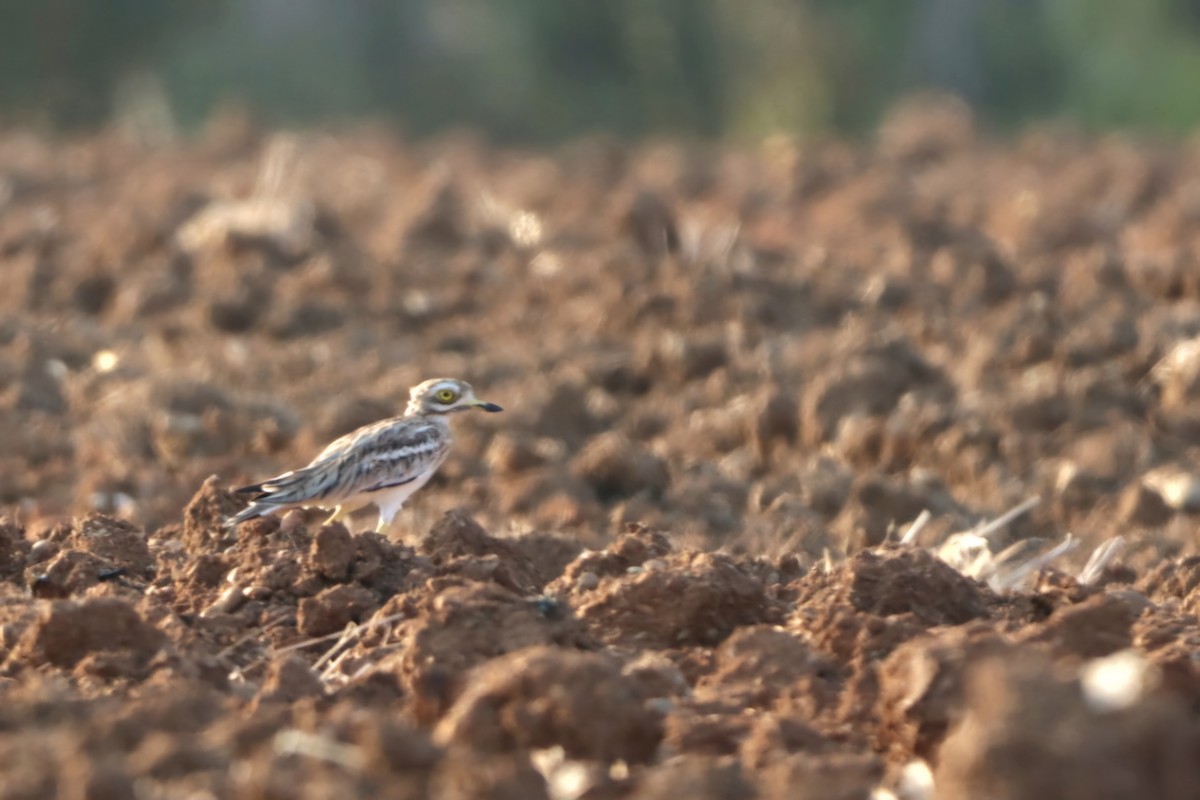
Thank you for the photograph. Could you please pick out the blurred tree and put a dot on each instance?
(533, 70)
(1024, 74)
(862, 58)
(1129, 63)
(60, 59)
(538, 70)
(294, 61)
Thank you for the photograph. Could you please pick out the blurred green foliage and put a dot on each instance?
(536, 70)
(60, 59)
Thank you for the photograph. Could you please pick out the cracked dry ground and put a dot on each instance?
(665, 571)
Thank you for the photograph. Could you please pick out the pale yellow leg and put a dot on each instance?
(382, 525)
(335, 516)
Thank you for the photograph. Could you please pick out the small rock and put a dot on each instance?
(41, 550)
(230, 600)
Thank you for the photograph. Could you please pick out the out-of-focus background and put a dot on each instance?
(535, 71)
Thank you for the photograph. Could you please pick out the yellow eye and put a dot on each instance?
(447, 396)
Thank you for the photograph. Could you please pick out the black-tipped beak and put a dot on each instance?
(492, 407)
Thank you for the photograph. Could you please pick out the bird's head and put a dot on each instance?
(445, 396)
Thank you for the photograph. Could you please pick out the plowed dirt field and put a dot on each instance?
(683, 562)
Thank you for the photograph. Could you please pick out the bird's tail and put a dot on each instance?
(268, 497)
(249, 512)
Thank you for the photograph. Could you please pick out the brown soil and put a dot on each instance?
(670, 568)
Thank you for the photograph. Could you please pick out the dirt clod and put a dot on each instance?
(691, 598)
(901, 580)
(1028, 733)
(923, 683)
(734, 378)
(69, 632)
(288, 680)
(333, 609)
(546, 696)
(758, 665)
(332, 552)
(615, 467)
(204, 516)
(466, 626)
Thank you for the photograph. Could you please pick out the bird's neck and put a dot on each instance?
(416, 411)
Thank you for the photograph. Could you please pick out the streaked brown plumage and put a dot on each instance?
(382, 463)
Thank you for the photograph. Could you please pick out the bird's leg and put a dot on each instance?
(334, 517)
(386, 515)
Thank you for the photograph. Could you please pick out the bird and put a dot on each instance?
(383, 463)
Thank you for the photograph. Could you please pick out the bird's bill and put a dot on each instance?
(492, 407)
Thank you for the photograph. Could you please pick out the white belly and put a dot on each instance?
(391, 500)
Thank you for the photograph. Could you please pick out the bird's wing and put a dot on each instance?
(347, 442)
(386, 453)
(396, 454)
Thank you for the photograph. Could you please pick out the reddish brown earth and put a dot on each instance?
(670, 568)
